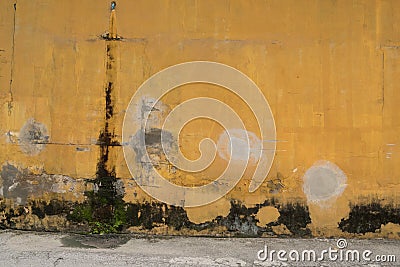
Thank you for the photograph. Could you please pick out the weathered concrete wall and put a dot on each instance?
(328, 69)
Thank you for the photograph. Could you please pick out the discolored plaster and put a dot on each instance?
(20, 184)
(390, 230)
(33, 137)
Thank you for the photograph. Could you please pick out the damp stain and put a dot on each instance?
(33, 137)
(152, 145)
(94, 241)
(36, 215)
(20, 184)
(364, 218)
(241, 221)
(53, 207)
(9, 215)
(296, 217)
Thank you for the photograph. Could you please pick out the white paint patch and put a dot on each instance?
(11, 137)
(323, 181)
(247, 145)
(13, 186)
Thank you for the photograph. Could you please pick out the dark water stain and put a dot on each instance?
(74, 243)
(102, 215)
(364, 218)
(9, 215)
(53, 207)
(241, 220)
(150, 215)
(109, 106)
(153, 137)
(95, 241)
(295, 216)
(12, 176)
(33, 137)
(17, 214)
(20, 184)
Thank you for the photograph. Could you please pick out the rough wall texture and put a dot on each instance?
(329, 70)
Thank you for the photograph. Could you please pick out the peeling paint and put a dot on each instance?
(390, 230)
(267, 215)
(21, 184)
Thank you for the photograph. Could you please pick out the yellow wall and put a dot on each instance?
(328, 69)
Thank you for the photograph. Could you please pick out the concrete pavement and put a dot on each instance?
(57, 249)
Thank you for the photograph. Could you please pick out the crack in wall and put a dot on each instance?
(11, 97)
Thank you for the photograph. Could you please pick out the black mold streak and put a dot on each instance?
(241, 220)
(365, 218)
(54, 207)
(149, 215)
(109, 106)
(104, 200)
(9, 215)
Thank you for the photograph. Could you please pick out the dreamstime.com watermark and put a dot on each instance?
(243, 146)
(341, 254)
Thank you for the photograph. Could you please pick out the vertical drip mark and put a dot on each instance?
(11, 97)
(113, 25)
(106, 197)
(111, 34)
